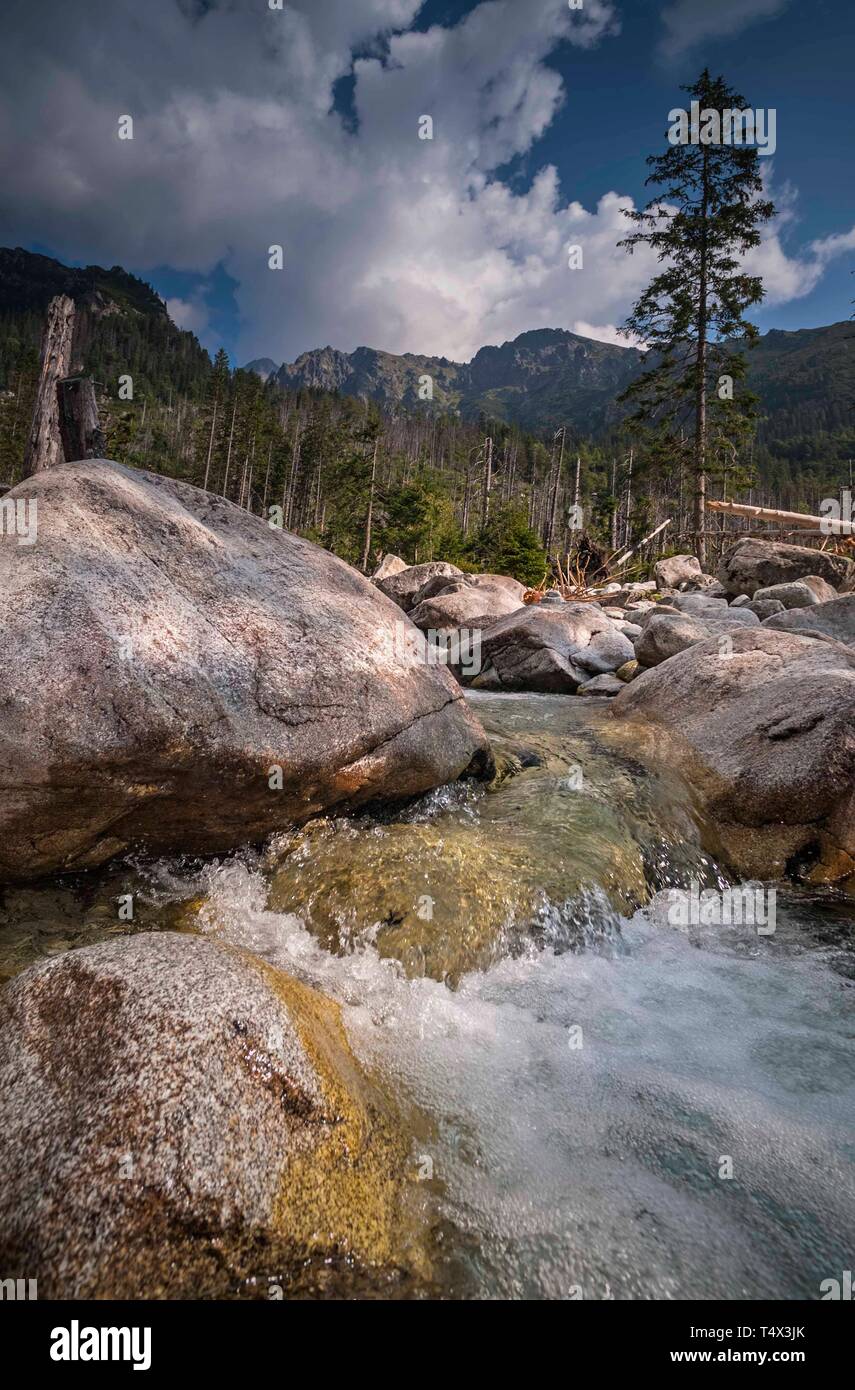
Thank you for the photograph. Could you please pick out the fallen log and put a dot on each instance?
(829, 526)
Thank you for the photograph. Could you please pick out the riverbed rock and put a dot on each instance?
(765, 734)
(178, 676)
(485, 597)
(835, 620)
(676, 570)
(798, 593)
(700, 603)
(665, 634)
(765, 608)
(629, 671)
(606, 684)
(404, 586)
(177, 1117)
(756, 564)
(551, 649)
(389, 565)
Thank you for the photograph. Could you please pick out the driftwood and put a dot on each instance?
(82, 437)
(44, 446)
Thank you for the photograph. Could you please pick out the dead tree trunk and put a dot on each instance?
(79, 428)
(370, 517)
(44, 446)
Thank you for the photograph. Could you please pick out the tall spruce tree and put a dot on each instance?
(691, 317)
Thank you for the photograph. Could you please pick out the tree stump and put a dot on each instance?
(82, 437)
(44, 446)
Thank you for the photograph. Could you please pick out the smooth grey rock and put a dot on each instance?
(705, 584)
(698, 603)
(605, 652)
(606, 684)
(666, 634)
(835, 620)
(756, 564)
(550, 649)
(676, 570)
(389, 565)
(171, 1107)
(765, 608)
(487, 600)
(799, 593)
(766, 736)
(403, 587)
(163, 653)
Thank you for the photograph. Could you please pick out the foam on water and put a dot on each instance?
(565, 1171)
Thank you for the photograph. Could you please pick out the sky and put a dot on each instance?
(296, 123)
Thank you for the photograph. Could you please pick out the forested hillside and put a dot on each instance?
(485, 474)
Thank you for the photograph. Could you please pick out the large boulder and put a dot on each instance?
(177, 1117)
(676, 570)
(835, 620)
(404, 586)
(756, 564)
(177, 675)
(546, 648)
(665, 634)
(765, 733)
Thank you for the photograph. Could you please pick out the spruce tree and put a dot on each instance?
(691, 317)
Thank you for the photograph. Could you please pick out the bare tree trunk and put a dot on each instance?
(614, 505)
(701, 387)
(367, 550)
(267, 478)
(553, 502)
(229, 450)
(210, 447)
(488, 481)
(44, 446)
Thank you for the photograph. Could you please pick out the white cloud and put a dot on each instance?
(190, 314)
(690, 22)
(606, 333)
(389, 240)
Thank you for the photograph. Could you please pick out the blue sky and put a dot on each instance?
(251, 134)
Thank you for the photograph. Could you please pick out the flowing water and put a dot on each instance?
(614, 1108)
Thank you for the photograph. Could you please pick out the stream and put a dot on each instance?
(609, 1107)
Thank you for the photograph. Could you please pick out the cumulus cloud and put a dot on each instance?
(690, 22)
(188, 313)
(239, 145)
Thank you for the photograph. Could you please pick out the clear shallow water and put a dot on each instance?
(583, 1083)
